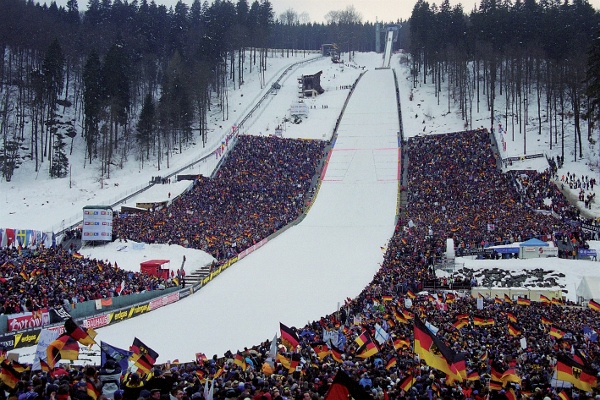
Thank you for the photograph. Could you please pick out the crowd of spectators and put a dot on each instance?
(262, 186)
(34, 279)
(454, 190)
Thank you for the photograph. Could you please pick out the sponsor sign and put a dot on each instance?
(163, 301)
(27, 339)
(97, 321)
(7, 341)
(138, 310)
(587, 253)
(20, 322)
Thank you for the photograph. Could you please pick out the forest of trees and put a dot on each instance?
(137, 80)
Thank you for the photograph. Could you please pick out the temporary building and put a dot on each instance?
(158, 268)
(589, 288)
(535, 248)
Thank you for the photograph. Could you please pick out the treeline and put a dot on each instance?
(135, 79)
(534, 54)
(139, 80)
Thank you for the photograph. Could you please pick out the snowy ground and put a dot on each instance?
(332, 254)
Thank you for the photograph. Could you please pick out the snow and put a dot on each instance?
(332, 254)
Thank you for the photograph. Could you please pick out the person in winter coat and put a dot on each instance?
(110, 378)
(132, 386)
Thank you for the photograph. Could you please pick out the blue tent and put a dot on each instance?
(533, 242)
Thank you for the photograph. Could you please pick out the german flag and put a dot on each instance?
(391, 363)
(141, 352)
(450, 298)
(8, 375)
(344, 387)
(400, 317)
(64, 347)
(407, 314)
(85, 336)
(44, 366)
(367, 350)
(497, 300)
(294, 362)
(546, 321)
(220, 372)
(582, 377)
(20, 367)
(431, 298)
(407, 383)
(483, 356)
(461, 323)
(507, 299)
(495, 373)
(92, 391)
(410, 294)
(391, 323)
(240, 361)
(77, 256)
(142, 362)
(401, 343)
(594, 305)
(289, 338)
(544, 299)
(556, 332)
(513, 330)
(473, 376)
(480, 321)
(511, 317)
(24, 275)
(563, 395)
(363, 338)
(434, 351)
(386, 298)
(321, 349)
(495, 385)
(557, 302)
(336, 354)
(522, 301)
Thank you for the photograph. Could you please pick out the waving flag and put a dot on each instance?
(288, 337)
(344, 387)
(85, 336)
(63, 348)
(594, 305)
(435, 353)
(582, 377)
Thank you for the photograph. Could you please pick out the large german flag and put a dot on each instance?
(594, 305)
(511, 317)
(545, 300)
(569, 370)
(63, 348)
(401, 343)
(138, 348)
(288, 337)
(367, 350)
(321, 349)
(546, 321)
(434, 351)
(8, 375)
(343, 387)
(82, 335)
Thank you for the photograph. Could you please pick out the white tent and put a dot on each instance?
(589, 288)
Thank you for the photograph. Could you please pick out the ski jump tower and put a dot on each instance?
(391, 36)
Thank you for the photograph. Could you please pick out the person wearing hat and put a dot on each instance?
(80, 391)
(160, 380)
(109, 377)
(132, 386)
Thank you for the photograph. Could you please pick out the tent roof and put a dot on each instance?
(589, 287)
(534, 242)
